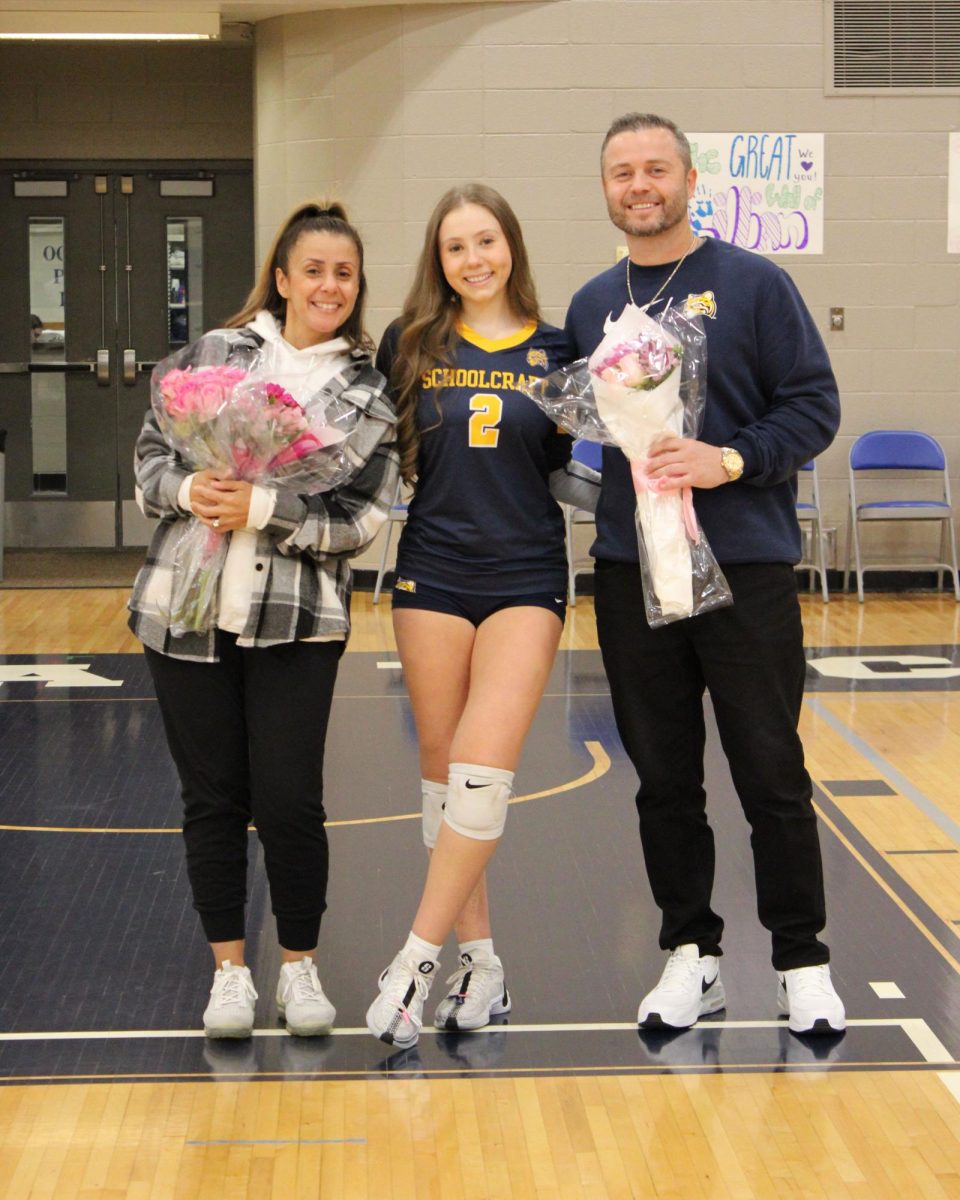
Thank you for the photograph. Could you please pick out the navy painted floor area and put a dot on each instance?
(104, 972)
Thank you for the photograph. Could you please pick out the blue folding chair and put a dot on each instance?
(808, 511)
(591, 455)
(909, 455)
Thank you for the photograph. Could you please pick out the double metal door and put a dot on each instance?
(103, 273)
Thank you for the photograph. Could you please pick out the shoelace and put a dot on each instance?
(811, 981)
(397, 989)
(679, 971)
(306, 983)
(233, 989)
(461, 977)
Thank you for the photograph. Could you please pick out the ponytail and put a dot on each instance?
(312, 216)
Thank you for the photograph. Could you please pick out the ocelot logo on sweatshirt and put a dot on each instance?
(702, 305)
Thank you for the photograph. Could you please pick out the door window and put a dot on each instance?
(48, 391)
(184, 280)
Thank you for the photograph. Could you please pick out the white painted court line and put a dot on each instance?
(888, 991)
(389, 666)
(926, 1041)
(951, 1081)
(916, 1029)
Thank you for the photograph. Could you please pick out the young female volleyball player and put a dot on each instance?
(480, 593)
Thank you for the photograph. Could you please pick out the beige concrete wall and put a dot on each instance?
(388, 106)
(70, 100)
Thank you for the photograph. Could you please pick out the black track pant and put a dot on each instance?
(247, 736)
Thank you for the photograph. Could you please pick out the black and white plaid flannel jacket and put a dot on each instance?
(302, 583)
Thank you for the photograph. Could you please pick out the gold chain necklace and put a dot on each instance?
(663, 286)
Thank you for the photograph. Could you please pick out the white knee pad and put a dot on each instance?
(477, 799)
(434, 796)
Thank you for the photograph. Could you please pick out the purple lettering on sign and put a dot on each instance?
(739, 218)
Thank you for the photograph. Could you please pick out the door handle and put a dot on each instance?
(46, 368)
(129, 367)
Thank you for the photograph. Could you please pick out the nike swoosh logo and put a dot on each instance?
(706, 985)
(474, 786)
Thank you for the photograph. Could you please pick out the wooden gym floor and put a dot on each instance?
(110, 1092)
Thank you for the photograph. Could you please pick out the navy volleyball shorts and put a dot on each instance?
(407, 593)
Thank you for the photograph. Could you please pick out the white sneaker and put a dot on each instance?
(301, 1002)
(396, 1016)
(808, 997)
(477, 993)
(689, 988)
(232, 1000)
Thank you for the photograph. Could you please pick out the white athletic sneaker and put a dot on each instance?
(396, 1016)
(300, 999)
(689, 988)
(232, 1000)
(477, 993)
(808, 997)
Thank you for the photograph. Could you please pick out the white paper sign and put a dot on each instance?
(761, 191)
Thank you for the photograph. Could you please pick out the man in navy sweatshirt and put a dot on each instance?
(771, 406)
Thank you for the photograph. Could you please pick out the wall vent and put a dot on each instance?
(895, 45)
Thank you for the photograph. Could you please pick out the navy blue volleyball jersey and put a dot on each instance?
(482, 519)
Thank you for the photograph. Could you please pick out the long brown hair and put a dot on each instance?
(313, 216)
(431, 311)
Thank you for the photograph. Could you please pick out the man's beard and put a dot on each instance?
(671, 214)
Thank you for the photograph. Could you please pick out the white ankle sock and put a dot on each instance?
(421, 949)
(481, 946)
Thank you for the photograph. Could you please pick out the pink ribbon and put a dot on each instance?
(643, 483)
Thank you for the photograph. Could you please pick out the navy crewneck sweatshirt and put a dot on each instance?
(771, 394)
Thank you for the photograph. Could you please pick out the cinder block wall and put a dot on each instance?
(125, 100)
(388, 106)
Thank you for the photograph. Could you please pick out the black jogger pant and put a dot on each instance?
(247, 736)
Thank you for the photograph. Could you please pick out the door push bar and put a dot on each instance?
(99, 366)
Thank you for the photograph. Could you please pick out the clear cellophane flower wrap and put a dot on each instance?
(646, 381)
(218, 409)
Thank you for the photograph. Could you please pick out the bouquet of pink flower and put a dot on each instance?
(647, 380)
(227, 416)
(643, 364)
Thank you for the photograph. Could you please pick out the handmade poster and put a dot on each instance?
(761, 191)
(953, 196)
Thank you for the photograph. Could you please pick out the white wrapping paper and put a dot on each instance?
(647, 380)
(636, 418)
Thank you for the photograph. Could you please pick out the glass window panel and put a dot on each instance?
(184, 279)
(47, 346)
(40, 187)
(186, 187)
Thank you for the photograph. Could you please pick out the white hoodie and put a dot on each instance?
(301, 373)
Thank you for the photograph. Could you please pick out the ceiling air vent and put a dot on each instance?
(900, 45)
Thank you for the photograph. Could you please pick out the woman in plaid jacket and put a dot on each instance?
(236, 701)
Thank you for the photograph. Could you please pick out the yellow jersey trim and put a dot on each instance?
(493, 344)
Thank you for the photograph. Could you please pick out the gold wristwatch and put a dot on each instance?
(732, 462)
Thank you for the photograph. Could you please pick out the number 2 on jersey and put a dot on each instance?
(487, 410)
